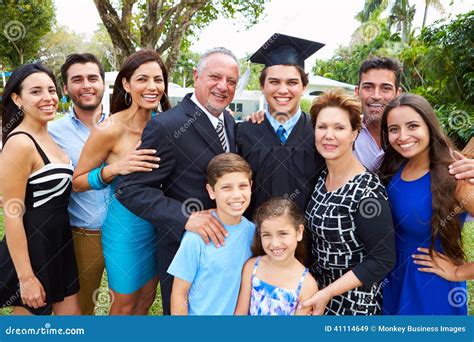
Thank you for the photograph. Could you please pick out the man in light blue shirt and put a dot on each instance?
(83, 78)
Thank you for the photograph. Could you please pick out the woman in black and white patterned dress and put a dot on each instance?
(348, 217)
(38, 272)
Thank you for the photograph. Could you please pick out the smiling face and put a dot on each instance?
(376, 89)
(408, 133)
(232, 193)
(146, 85)
(280, 237)
(38, 97)
(85, 86)
(283, 89)
(215, 84)
(334, 136)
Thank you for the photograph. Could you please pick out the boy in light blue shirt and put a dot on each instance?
(207, 278)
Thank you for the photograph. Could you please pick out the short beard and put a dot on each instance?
(87, 108)
(216, 111)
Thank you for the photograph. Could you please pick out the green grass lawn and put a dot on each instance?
(102, 309)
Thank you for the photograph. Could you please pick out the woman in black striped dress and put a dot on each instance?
(38, 272)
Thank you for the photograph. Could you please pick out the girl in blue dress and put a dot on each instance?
(129, 242)
(425, 201)
(275, 281)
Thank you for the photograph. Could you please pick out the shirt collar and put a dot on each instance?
(76, 120)
(288, 125)
(211, 117)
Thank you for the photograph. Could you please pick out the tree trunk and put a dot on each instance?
(170, 24)
(425, 15)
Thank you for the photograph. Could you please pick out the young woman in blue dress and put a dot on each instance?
(425, 201)
(129, 242)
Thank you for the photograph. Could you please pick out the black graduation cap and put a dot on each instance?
(283, 49)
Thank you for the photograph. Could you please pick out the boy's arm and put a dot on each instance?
(179, 297)
(243, 303)
(184, 268)
(310, 287)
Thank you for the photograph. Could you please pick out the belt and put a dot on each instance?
(86, 231)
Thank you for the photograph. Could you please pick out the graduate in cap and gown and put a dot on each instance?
(281, 150)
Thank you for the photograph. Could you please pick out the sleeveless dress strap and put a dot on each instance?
(300, 284)
(255, 266)
(38, 148)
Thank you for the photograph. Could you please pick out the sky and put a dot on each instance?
(327, 21)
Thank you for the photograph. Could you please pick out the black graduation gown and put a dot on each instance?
(280, 170)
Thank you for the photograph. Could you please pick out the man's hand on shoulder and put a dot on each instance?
(207, 226)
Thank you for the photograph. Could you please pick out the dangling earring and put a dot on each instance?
(127, 99)
(20, 111)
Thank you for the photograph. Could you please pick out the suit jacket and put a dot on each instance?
(186, 141)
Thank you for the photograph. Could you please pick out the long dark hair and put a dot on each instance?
(12, 115)
(443, 185)
(277, 207)
(131, 64)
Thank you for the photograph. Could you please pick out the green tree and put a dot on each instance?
(22, 25)
(185, 64)
(401, 15)
(167, 25)
(438, 64)
(57, 44)
(101, 45)
(432, 3)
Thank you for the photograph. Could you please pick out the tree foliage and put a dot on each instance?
(22, 25)
(167, 25)
(57, 44)
(438, 64)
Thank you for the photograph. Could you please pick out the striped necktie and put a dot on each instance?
(220, 133)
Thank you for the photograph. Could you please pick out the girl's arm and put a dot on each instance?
(19, 154)
(442, 266)
(320, 299)
(179, 297)
(243, 303)
(96, 150)
(310, 287)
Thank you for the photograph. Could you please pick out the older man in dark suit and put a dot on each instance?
(187, 137)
